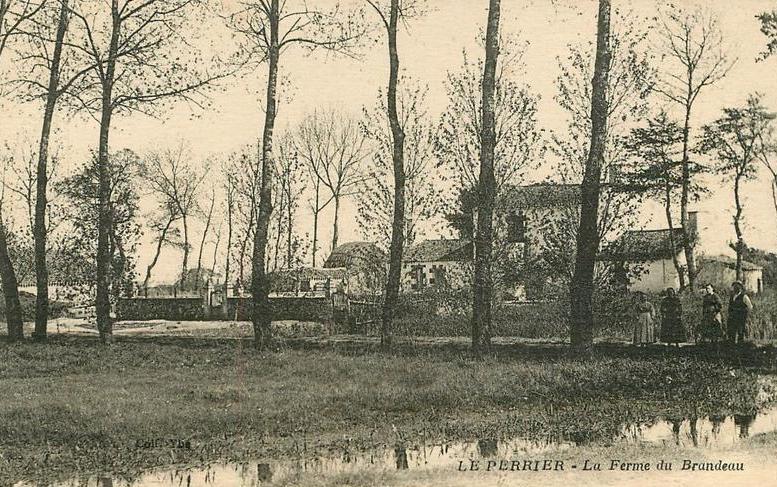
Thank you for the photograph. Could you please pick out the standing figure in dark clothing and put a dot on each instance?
(711, 328)
(739, 307)
(672, 329)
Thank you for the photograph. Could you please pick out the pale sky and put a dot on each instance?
(429, 48)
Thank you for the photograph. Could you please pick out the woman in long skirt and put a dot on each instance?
(711, 329)
(643, 328)
(672, 329)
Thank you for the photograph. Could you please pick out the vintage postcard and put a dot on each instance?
(388, 243)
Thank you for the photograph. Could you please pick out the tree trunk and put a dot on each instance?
(336, 223)
(104, 224)
(185, 262)
(279, 235)
(204, 237)
(13, 308)
(117, 271)
(225, 304)
(398, 159)
(159, 245)
(289, 228)
(482, 289)
(316, 211)
(582, 286)
(260, 288)
(41, 201)
(216, 249)
(672, 243)
(774, 192)
(740, 243)
(688, 241)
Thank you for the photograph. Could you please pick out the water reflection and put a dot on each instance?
(743, 423)
(400, 454)
(705, 432)
(487, 448)
(263, 472)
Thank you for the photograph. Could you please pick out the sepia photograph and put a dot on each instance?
(388, 243)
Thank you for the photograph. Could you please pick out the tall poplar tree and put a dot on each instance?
(581, 289)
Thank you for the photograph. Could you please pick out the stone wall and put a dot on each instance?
(191, 309)
(174, 309)
(285, 308)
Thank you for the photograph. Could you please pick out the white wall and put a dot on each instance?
(657, 275)
(455, 274)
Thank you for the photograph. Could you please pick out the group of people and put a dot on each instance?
(710, 329)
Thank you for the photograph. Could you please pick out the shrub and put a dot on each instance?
(447, 313)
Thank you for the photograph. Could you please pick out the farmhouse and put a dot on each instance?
(436, 263)
(306, 281)
(363, 265)
(720, 271)
(652, 254)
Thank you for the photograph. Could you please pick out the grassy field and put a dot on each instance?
(75, 406)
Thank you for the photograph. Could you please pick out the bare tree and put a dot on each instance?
(338, 146)
(228, 171)
(376, 195)
(768, 146)
(14, 17)
(244, 171)
(390, 15)
(44, 54)
(736, 140)
(23, 184)
(486, 190)
(581, 289)
(694, 58)
(140, 60)
(13, 308)
(268, 28)
(518, 138)
(292, 185)
(208, 219)
(629, 88)
(313, 165)
(769, 29)
(166, 234)
(216, 245)
(173, 180)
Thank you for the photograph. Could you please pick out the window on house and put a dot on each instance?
(418, 277)
(516, 227)
(439, 276)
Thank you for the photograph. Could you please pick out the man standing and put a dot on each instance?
(739, 307)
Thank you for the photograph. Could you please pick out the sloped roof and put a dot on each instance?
(644, 245)
(540, 195)
(440, 250)
(352, 254)
(731, 262)
(311, 273)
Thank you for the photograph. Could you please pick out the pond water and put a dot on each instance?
(709, 432)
